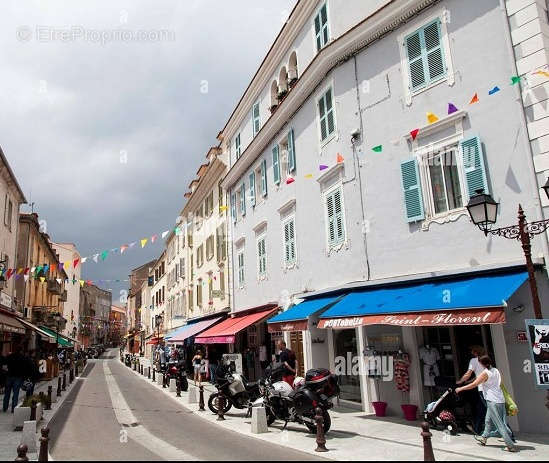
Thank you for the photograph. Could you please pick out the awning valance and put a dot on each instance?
(154, 341)
(296, 317)
(11, 324)
(470, 300)
(191, 330)
(225, 332)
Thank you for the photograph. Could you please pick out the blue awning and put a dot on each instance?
(451, 294)
(285, 321)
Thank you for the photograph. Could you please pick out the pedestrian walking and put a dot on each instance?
(480, 404)
(31, 375)
(289, 360)
(16, 371)
(197, 364)
(495, 423)
(213, 362)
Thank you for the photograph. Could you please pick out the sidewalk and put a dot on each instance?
(356, 436)
(10, 439)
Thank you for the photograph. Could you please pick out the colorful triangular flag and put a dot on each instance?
(474, 99)
(322, 167)
(494, 90)
(431, 118)
(104, 255)
(153, 238)
(123, 248)
(42, 279)
(377, 149)
(289, 180)
(82, 283)
(309, 176)
(26, 277)
(164, 234)
(75, 262)
(339, 158)
(452, 108)
(144, 242)
(413, 133)
(95, 256)
(515, 80)
(84, 259)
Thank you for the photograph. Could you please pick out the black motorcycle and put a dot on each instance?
(236, 390)
(283, 402)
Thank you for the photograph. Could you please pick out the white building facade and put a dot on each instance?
(353, 154)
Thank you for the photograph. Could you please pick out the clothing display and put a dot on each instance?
(430, 357)
(402, 376)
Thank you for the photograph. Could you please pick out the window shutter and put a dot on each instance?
(233, 206)
(413, 198)
(433, 46)
(276, 165)
(291, 151)
(322, 117)
(287, 240)
(474, 165)
(414, 49)
(243, 198)
(339, 219)
(252, 188)
(264, 177)
(331, 218)
(330, 112)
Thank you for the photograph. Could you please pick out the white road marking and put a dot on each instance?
(139, 433)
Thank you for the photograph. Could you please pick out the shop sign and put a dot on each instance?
(235, 362)
(538, 341)
(300, 325)
(450, 318)
(5, 300)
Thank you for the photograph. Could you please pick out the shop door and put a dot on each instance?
(296, 345)
(345, 347)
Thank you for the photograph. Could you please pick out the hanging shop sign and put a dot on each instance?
(5, 300)
(538, 342)
(449, 318)
(298, 325)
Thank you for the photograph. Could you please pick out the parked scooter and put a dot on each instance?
(297, 404)
(235, 388)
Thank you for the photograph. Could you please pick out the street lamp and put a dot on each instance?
(483, 211)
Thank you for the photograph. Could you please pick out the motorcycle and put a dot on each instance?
(176, 370)
(236, 390)
(298, 404)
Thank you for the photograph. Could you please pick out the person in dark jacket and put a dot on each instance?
(32, 374)
(17, 367)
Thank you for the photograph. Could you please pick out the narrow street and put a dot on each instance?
(109, 415)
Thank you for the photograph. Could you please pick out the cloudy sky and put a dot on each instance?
(75, 98)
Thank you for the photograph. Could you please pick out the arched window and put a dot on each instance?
(282, 83)
(292, 70)
(274, 95)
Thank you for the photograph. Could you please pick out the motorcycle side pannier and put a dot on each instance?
(322, 381)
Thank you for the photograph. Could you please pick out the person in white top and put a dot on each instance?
(494, 425)
(480, 404)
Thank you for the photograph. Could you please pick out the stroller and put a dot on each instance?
(449, 411)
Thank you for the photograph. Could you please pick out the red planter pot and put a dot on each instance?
(410, 411)
(380, 408)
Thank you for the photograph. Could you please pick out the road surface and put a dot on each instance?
(112, 415)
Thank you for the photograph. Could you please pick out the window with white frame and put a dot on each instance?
(425, 54)
(199, 293)
(289, 242)
(210, 247)
(335, 216)
(261, 257)
(255, 119)
(322, 34)
(326, 115)
(221, 244)
(241, 269)
(440, 180)
(200, 256)
(222, 281)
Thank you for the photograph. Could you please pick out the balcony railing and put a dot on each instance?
(54, 287)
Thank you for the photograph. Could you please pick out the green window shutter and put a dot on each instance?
(291, 151)
(322, 117)
(331, 219)
(433, 48)
(339, 221)
(276, 165)
(413, 198)
(321, 28)
(264, 177)
(243, 198)
(474, 165)
(233, 207)
(414, 48)
(287, 241)
(255, 119)
(252, 189)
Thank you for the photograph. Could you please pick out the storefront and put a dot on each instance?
(405, 343)
(12, 331)
(246, 334)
